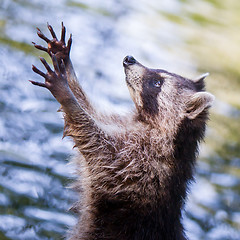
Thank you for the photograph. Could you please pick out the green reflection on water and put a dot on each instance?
(22, 46)
(89, 7)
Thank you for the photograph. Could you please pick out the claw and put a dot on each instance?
(42, 36)
(36, 70)
(55, 63)
(69, 44)
(40, 47)
(63, 33)
(52, 31)
(45, 64)
(38, 83)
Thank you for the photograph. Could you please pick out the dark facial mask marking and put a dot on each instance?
(151, 87)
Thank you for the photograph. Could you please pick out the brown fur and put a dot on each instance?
(133, 172)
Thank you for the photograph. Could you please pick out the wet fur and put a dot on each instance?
(133, 172)
(133, 180)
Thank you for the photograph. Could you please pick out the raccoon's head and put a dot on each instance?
(166, 97)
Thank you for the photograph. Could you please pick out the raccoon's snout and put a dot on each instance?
(129, 60)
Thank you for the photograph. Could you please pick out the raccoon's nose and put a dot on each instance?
(129, 60)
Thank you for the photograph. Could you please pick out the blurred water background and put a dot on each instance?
(188, 37)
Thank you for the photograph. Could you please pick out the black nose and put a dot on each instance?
(129, 60)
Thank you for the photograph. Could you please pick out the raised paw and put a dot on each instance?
(58, 47)
(55, 81)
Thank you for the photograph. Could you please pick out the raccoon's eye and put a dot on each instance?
(157, 83)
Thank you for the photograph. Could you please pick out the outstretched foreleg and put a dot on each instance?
(62, 52)
(88, 137)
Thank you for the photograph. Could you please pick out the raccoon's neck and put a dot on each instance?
(181, 167)
(186, 147)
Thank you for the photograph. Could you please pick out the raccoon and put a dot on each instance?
(134, 171)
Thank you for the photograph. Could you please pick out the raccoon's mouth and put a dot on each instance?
(127, 61)
(129, 84)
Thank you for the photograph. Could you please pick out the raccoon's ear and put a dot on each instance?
(200, 78)
(199, 82)
(198, 103)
